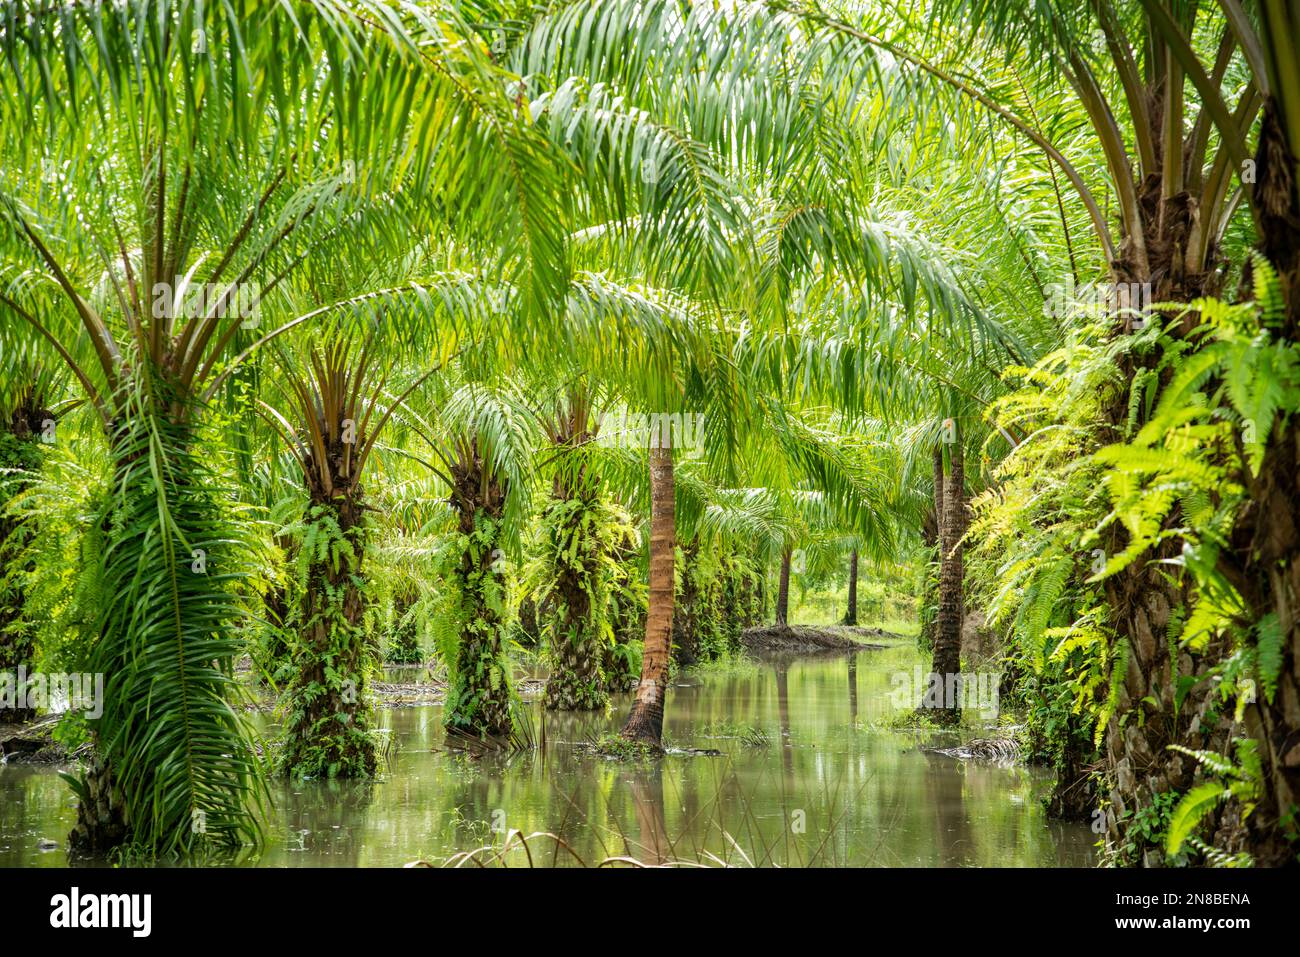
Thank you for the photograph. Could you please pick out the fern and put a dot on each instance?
(1191, 810)
(1268, 652)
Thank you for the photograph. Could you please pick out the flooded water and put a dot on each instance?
(809, 775)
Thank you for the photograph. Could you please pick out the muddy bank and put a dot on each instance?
(420, 689)
(396, 686)
(811, 638)
(34, 743)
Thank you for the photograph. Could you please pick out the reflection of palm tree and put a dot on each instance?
(14, 821)
(327, 819)
(943, 783)
(783, 708)
(853, 687)
(646, 786)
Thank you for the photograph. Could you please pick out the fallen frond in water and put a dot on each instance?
(983, 749)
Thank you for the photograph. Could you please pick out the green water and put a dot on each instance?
(830, 786)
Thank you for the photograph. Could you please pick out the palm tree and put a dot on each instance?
(483, 436)
(479, 702)
(340, 412)
(946, 663)
(851, 607)
(193, 201)
(1185, 85)
(645, 722)
(577, 545)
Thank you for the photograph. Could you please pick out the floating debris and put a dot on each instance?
(982, 749)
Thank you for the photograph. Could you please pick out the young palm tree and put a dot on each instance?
(483, 439)
(337, 403)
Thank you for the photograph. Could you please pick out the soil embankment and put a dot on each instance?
(811, 638)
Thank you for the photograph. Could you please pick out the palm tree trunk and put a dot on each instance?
(101, 823)
(478, 702)
(576, 682)
(783, 590)
(1267, 537)
(646, 721)
(946, 662)
(851, 615)
(1144, 596)
(328, 730)
(930, 537)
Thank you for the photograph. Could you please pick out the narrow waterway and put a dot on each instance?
(809, 773)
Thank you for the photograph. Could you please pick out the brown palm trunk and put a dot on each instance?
(783, 590)
(851, 615)
(1267, 537)
(930, 537)
(946, 662)
(645, 723)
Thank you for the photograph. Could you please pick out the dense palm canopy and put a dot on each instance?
(585, 325)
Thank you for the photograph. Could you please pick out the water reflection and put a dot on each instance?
(802, 780)
(646, 787)
(853, 688)
(944, 782)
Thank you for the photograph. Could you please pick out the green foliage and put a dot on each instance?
(570, 578)
(330, 658)
(1028, 561)
(1242, 779)
(1177, 476)
(20, 462)
(479, 693)
(181, 756)
(1148, 827)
